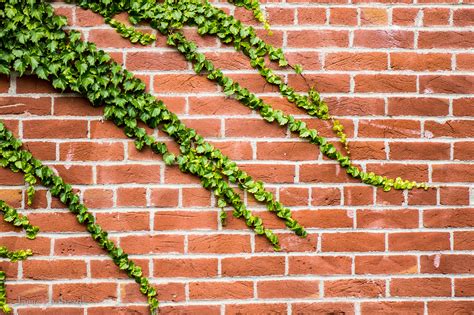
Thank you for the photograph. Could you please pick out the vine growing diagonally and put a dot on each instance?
(32, 39)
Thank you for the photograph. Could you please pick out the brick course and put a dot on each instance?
(399, 74)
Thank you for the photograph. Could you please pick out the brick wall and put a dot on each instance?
(399, 74)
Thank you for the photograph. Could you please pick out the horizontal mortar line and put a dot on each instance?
(303, 27)
(249, 255)
(261, 209)
(290, 49)
(230, 279)
(214, 232)
(253, 115)
(260, 140)
(245, 301)
(246, 163)
(112, 186)
(246, 139)
(315, 4)
(287, 5)
(268, 185)
(317, 72)
(271, 94)
(326, 27)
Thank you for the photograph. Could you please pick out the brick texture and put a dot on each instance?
(399, 74)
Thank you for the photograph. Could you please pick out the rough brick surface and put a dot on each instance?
(399, 74)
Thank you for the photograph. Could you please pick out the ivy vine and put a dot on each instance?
(11, 216)
(33, 41)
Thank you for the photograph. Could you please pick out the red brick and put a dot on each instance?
(107, 269)
(444, 218)
(447, 264)
(325, 196)
(419, 151)
(356, 61)
(418, 241)
(131, 197)
(220, 290)
(420, 287)
(72, 246)
(419, 106)
(445, 39)
(254, 309)
(25, 106)
(84, 292)
(45, 151)
(294, 196)
(385, 83)
(196, 197)
(155, 61)
(50, 129)
(185, 220)
(254, 266)
(453, 173)
(354, 288)
(387, 219)
(216, 105)
(197, 268)
(182, 83)
(30, 84)
(25, 293)
(404, 16)
(454, 196)
(343, 16)
(358, 195)
(463, 240)
(172, 292)
(323, 173)
(353, 242)
(51, 310)
(316, 38)
(463, 107)
(420, 62)
(127, 174)
(191, 309)
(416, 172)
(373, 16)
(446, 307)
(386, 265)
(164, 197)
(463, 17)
(91, 151)
(324, 83)
(221, 243)
(56, 269)
(452, 84)
(255, 128)
(321, 308)
(319, 265)
(392, 308)
(436, 16)
(57, 222)
(312, 16)
(152, 244)
(4, 83)
(286, 151)
(288, 243)
(124, 221)
(389, 198)
(383, 39)
(98, 198)
(288, 289)
(333, 218)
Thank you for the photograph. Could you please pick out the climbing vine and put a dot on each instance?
(11, 216)
(33, 40)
